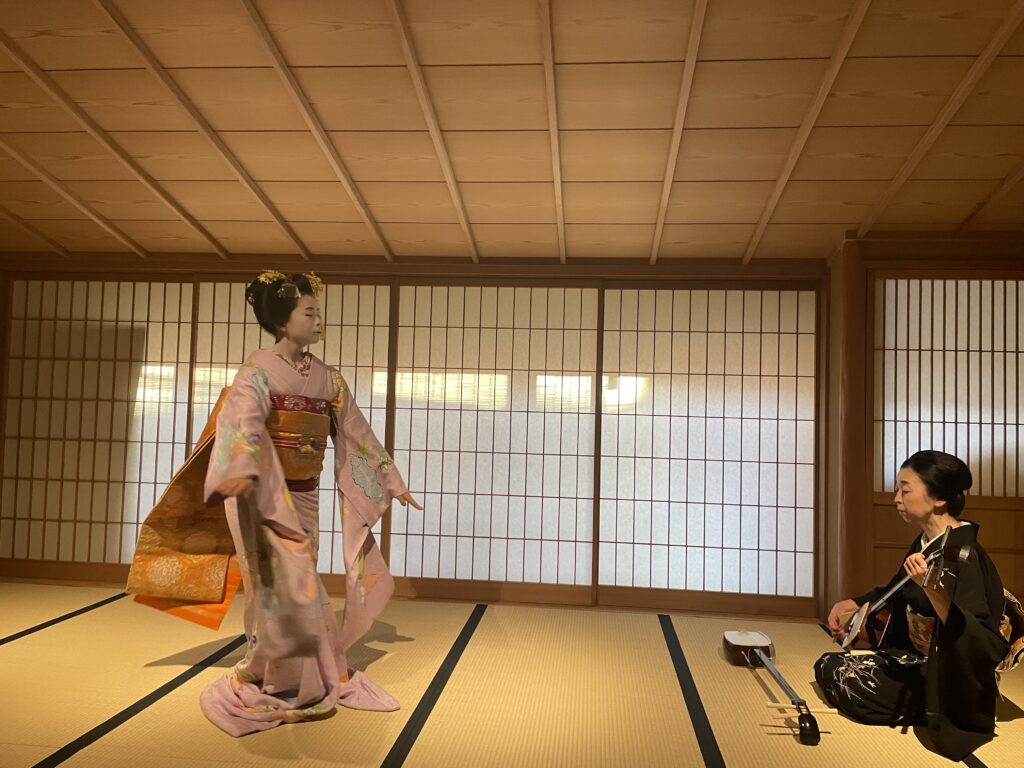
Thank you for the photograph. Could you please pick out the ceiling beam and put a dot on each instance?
(58, 94)
(1011, 181)
(853, 23)
(430, 116)
(548, 49)
(293, 88)
(114, 14)
(51, 181)
(700, 8)
(964, 89)
(24, 226)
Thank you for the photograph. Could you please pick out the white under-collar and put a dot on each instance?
(926, 544)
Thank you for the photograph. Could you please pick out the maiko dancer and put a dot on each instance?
(262, 466)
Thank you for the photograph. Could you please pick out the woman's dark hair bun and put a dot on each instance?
(945, 476)
(273, 297)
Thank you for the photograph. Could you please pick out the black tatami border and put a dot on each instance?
(404, 743)
(59, 619)
(698, 716)
(124, 715)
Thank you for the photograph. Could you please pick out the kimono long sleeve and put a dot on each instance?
(366, 473)
(967, 648)
(241, 428)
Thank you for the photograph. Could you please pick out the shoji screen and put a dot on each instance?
(97, 403)
(355, 339)
(495, 401)
(947, 369)
(707, 472)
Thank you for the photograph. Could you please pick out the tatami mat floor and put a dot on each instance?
(533, 686)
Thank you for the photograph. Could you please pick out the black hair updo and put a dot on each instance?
(944, 475)
(274, 296)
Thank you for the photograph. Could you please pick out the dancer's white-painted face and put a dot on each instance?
(303, 326)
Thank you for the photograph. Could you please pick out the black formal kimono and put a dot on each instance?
(928, 672)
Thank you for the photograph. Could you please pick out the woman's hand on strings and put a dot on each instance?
(407, 498)
(240, 486)
(835, 623)
(917, 567)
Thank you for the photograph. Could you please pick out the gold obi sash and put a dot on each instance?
(299, 427)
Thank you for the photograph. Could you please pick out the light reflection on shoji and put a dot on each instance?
(707, 475)
(947, 371)
(355, 339)
(96, 414)
(494, 429)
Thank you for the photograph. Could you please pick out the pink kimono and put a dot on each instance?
(295, 666)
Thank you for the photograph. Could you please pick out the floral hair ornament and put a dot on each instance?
(270, 276)
(315, 283)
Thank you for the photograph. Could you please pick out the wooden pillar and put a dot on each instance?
(849, 511)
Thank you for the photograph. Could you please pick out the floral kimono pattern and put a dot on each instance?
(295, 666)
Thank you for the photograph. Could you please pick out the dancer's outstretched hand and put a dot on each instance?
(407, 498)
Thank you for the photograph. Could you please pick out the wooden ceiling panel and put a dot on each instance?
(410, 202)
(122, 200)
(488, 98)
(82, 235)
(14, 238)
(1015, 45)
(733, 154)
(218, 200)
(124, 100)
(426, 239)
(624, 202)
(844, 202)
(935, 202)
(27, 108)
(197, 33)
(239, 99)
(613, 96)
(12, 170)
(614, 155)
(471, 32)
(974, 152)
(856, 152)
(999, 97)
(704, 241)
(70, 155)
(251, 236)
(496, 203)
(516, 240)
(279, 155)
(175, 155)
(172, 236)
(752, 94)
(34, 200)
(717, 202)
(801, 241)
(500, 155)
(1009, 209)
(613, 31)
(627, 241)
(65, 34)
(897, 91)
(928, 28)
(388, 155)
(781, 29)
(319, 201)
(164, 155)
(328, 33)
(362, 98)
(337, 238)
